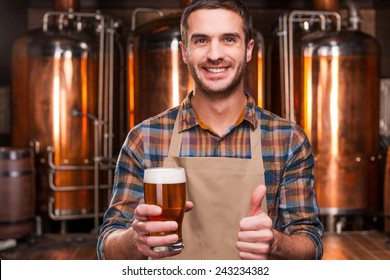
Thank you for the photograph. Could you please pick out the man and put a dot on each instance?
(249, 172)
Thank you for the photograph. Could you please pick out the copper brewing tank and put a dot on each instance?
(63, 5)
(54, 91)
(275, 99)
(284, 75)
(341, 118)
(325, 5)
(159, 79)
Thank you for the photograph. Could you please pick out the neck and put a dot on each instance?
(219, 113)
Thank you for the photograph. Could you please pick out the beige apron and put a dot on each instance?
(220, 189)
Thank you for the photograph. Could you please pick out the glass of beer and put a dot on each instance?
(166, 187)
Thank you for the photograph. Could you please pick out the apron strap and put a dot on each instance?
(256, 151)
(174, 147)
(255, 139)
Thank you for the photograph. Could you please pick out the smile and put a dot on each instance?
(216, 70)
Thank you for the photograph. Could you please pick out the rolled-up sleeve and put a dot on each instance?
(298, 208)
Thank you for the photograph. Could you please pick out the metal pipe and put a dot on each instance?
(354, 18)
(283, 57)
(143, 10)
(64, 167)
(55, 188)
(98, 128)
(56, 217)
(286, 69)
(113, 25)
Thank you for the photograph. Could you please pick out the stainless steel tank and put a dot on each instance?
(341, 118)
(159, 79)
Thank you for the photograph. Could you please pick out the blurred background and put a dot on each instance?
(75, 76)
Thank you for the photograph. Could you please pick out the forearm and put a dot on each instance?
(121, 245)
(296, 247)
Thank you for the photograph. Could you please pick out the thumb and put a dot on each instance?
(256, 198)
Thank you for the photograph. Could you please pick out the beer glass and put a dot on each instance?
(166, 187)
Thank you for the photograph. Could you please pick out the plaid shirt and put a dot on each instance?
(287, 156)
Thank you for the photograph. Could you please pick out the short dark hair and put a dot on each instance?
(231, 5)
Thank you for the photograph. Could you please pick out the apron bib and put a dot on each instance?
(220, 189)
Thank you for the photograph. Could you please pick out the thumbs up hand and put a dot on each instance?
(256, 234)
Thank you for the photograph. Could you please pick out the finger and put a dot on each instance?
(256, 199)
(154, 241)
(154, 226)
(142, 211)
(189, 205)
(259, 222)
(255, 236)
(145, 241)
(253, 248)
(251, 256)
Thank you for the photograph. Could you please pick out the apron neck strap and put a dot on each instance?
(255, 139)
(174, 148)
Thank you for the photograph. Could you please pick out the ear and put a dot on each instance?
(183, 52)
(249, 49)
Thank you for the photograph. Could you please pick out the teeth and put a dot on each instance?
(216, 70)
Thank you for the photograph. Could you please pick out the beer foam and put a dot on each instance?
(160, 175)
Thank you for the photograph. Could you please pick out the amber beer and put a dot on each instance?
(166, 187)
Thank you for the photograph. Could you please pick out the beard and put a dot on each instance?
(217, 89)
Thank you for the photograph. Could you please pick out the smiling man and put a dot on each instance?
(249, 172)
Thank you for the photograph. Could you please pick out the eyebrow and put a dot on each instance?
(201, 35)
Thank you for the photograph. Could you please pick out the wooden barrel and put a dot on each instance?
(386, 196)
(17, 193)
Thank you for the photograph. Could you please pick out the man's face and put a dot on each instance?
(216, 53)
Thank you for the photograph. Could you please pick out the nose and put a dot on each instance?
(215, 51)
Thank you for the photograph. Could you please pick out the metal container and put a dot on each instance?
(341, 118)
(159, 79)
(285, 80)
(277, 102)
(53, 74)
(62, 106)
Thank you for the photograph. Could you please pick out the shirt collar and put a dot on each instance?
(188, 120)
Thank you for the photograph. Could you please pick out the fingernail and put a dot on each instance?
(173, 225)
(174, 238)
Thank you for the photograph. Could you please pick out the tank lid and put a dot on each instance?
(325, 5)
(66, 5)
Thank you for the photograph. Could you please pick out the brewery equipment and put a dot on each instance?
(62, 106)
(338, 107)
(290, 54)
(341, 118)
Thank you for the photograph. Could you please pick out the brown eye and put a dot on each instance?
(200, 41)
(230, 40)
